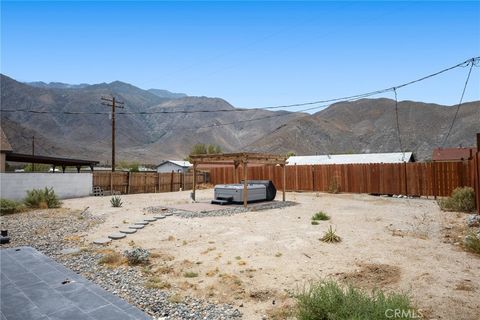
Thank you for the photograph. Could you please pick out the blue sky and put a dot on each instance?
(252, 54)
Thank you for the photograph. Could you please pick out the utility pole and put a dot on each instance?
(113, 103)
(33, 152)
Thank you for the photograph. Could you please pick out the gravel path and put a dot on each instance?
(225, 211)
(57, 231)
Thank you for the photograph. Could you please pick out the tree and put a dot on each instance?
(201, 148)
(291, 154)
(39, 167)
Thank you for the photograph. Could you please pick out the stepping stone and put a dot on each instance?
(150, 219)
(142, 222)
(168, 214)
(70, 251)
(128, 231)
(102, 241)
(159, 217)
(117, 236)
(136, 226)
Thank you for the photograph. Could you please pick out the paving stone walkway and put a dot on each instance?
(34, 287)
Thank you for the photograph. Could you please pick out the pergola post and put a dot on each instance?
(284, 183)
(245, 188)
(235, 172)
(194, 180)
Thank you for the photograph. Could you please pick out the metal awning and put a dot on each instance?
(54, 161)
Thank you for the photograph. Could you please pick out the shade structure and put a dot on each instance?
(237, 159)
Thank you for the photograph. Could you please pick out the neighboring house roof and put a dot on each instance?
(452, 154)
(184, 164)
(394, 157)
(4, 144)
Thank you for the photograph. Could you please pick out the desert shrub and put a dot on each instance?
(315, 222)
(333, 187)
(461, 200)
(116, 202)
(42, 198)
(327, 300)
(330, 236)
(136, 256)
(321, 216)
(472, 242)
(9, 206)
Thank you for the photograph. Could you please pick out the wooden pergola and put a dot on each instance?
(237, 159)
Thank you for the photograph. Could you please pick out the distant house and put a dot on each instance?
(392, 157)
(453, 154)
(174, 165)
(5, 148)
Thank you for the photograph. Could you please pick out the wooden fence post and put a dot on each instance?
(111, 182)
(434, 180)
(128, 182)
(171, 181)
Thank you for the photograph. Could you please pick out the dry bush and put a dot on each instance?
(461, 200)
(175, 298)
(112, 259)
(333, 187)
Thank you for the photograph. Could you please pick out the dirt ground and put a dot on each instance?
(256, 260)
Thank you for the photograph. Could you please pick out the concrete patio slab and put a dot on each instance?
(42, 289)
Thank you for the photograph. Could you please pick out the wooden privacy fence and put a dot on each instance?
(414, 179)
(146, 182)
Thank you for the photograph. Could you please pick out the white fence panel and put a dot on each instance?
(66, 185)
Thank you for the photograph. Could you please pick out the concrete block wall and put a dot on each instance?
(66, 185)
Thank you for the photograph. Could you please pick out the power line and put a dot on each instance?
(473, 61)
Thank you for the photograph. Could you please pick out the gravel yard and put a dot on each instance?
(232, 263)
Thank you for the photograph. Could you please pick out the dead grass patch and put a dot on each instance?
(284, 311)
(157, 283)
(263, 294)
(112, 259)
(372, 276)
(175, 298)
(465, 286)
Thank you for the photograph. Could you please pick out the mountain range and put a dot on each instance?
(158, 124)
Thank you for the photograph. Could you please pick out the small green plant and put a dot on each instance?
(190, 274)
(42, 198)
(330, 236)
(320, 216)
(461, 200)
(116, 202)
(333, 187)
(278, 254)
(472, 242)
(328, 300)
(9, 206)
(137, 256)
(315, 222)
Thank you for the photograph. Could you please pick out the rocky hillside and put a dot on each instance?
(369, 125)
(146, 138)
(166, 131)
